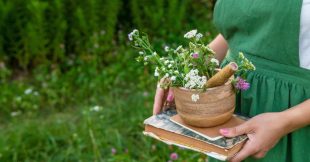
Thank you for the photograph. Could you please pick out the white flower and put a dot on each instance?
(166, 75)
(15, 113)
(145, 58)
(131, 34)
(214, 60)
(154, 53)
(176, 72)
(194, 81)
(170, 66)
(95, 108)
(190, 34)
(166, 48)
(28, 91)
(141, 53)
(195, 97)
(156, 73)
(173, 78)
(199, 36)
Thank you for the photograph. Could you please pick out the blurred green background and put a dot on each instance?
(70, 88)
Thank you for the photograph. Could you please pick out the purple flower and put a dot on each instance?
(174, 156)
(242, 84)
(113, 151)
(195, 55)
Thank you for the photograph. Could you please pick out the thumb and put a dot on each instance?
(235, 131)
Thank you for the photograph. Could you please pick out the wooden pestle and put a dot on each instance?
(221, 77)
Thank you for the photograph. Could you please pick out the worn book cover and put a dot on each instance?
(169, 128)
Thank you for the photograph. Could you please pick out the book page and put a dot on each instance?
(162, 121)
(211, 133)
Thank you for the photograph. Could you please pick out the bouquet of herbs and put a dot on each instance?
(188, 67)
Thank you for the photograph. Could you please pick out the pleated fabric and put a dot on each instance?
(267, 32)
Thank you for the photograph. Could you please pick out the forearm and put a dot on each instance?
(297, 116)
(219, 46)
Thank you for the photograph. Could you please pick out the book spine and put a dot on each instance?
(168, 142)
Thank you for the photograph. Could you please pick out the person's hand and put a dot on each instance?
(162, 96)
(263, 131)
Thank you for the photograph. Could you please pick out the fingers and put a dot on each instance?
(161, 96)
(170, 96)
(158, 100)
(246, 151)
(235, 131)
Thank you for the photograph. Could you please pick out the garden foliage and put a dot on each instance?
(35, 32)
(69, 84)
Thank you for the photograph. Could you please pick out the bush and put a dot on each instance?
(36, 32)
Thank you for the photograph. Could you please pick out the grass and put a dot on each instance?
(86, 134)
(82, 114)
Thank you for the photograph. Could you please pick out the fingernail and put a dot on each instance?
(224, 131)
(170, 98)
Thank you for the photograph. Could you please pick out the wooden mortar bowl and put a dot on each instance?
(214, 107)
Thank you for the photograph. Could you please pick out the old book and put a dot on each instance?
(169, 128)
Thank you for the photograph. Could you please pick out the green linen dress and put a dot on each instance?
(267, 32)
